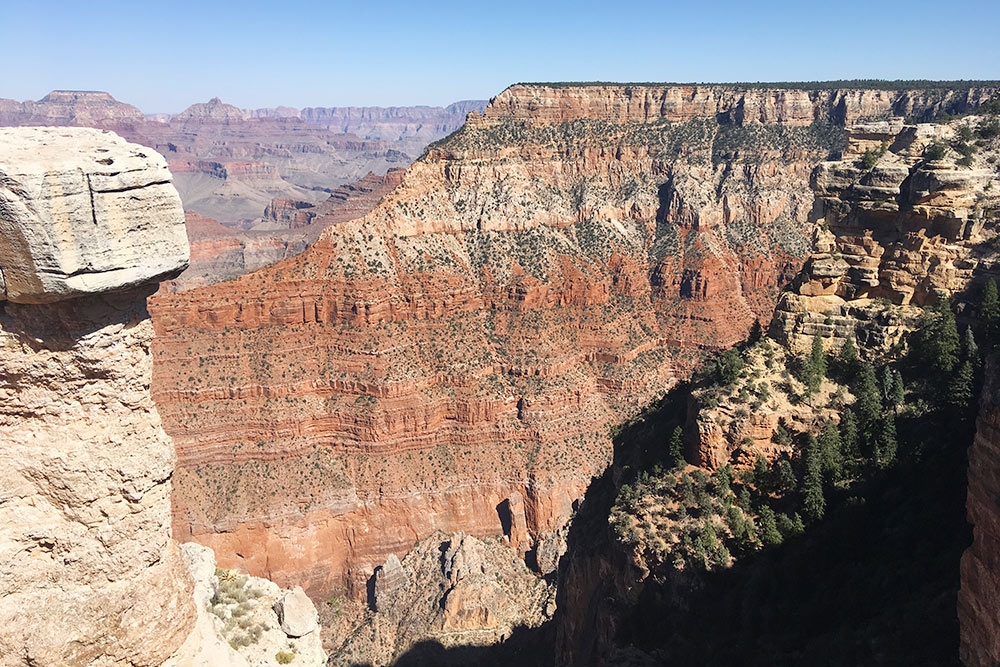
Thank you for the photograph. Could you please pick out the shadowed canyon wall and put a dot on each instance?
(535, 278)
(978, 601)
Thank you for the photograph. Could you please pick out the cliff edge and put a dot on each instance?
(88, 572)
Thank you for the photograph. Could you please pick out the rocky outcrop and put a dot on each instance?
(900, 230)
(453, 590)
(529, 283)
(215, 110)
(246, 621)
(88, 572)
(105, 218)
(978, 599)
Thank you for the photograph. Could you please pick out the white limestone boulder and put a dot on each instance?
(297, 615)
(83, 211)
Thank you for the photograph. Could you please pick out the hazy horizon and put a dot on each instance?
(162, 59)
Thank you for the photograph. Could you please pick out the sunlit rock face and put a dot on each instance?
(88, 572)
(534, 279)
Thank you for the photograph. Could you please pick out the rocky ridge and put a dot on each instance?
(450, 591)
(575, 265)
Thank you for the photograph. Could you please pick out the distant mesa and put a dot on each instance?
(214, 109)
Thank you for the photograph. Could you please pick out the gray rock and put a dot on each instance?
(297, 615)
(83, 211)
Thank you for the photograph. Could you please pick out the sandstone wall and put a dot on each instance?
(88, 572)
(902, 231)
(538, 103)
(979, 597)
(529, 283)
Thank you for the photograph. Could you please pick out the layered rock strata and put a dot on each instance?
(536, 277)
(978, 598)
(901, 230)
(88, 572)
(229, 163)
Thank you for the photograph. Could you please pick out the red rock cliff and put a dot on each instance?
(534, 279)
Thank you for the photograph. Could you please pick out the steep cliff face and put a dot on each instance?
(977, 600)
(535, 278)
(88, 572)
(907, 216)
(741, 105)
(898, 231)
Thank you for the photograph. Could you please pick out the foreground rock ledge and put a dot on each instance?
(83, 211)
(88, 572)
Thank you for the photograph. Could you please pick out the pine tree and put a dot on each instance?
(989, 313)
(769, 532)
(960, 393)
(869, 406)
(784, 476)
(723, 481)
(970, 349)
(830, 452)
(687, 490)
(847, 359)
(817, 358)
(813, 502)
(898, 396)
(885, 446)
(676, 449)
(892, 387)
(762, 475)
(937, 341)
(849, 436)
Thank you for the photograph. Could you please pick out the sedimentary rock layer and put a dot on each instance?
(978, 599)
(536, 278)
(902, 230)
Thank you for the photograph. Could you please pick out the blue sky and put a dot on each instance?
(165, 55)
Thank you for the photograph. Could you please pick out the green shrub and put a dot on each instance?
(935, 151)
(991, 129)
(284, 657)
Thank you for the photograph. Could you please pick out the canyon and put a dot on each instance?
(254, 171)
(535, 279)
(429, 401)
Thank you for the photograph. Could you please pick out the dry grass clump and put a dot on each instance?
(234, 603)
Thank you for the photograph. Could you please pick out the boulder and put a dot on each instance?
(83, 211)
(297, 615)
